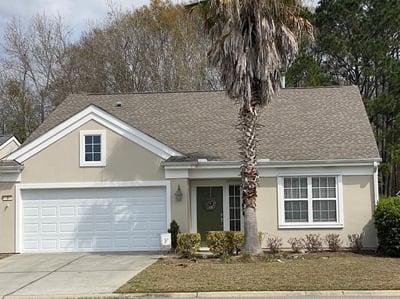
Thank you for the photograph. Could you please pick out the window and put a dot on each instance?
(313, 201)
(234, 208)
(92, 148)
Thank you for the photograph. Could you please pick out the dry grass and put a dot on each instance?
(319, 271)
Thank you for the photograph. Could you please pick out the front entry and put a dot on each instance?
(210, 215)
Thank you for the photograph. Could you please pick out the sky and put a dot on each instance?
(76, 14)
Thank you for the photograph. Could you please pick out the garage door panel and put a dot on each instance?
(67, 211)
(49, 228)
(67, 227)
(67, 244)
(107, 219)
(31, 212)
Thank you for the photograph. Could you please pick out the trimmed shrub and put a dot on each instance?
(224, 242)
(274, 243)
(333, 241)
(238, 239)
(188, 243)
(355, 241)
(387, 223)
(313, 242)
(297, 244)
(174, 231)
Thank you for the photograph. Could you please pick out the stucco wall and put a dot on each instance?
(7, 219)
(358, 205)
(180, 210)
(125, 161)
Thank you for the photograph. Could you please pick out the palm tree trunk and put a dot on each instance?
(249, 174)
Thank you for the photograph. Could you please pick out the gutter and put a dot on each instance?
(266, 163)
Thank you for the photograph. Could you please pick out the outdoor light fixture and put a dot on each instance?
(178, 194)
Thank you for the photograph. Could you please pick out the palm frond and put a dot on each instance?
(251, 41)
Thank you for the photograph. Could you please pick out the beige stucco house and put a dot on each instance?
(110, 172)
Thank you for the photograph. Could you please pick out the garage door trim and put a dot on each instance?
(22, 187)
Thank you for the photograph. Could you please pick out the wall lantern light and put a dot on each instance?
(178, 194)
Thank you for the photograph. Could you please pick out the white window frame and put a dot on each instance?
(83, 162)
(310, 224)
(240, 206)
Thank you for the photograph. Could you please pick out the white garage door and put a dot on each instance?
(93, 219)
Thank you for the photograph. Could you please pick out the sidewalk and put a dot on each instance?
(255, 294)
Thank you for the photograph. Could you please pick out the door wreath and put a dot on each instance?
(211, 204)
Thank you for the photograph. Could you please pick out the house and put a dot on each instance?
(108, 172)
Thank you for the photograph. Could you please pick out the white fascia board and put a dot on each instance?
(92, 185)
(10, 177)
(313, 163)
(12, 139)
(231, 169)
(103, 118)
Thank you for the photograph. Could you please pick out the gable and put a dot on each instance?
(92, 113)
(8, 145)
(124, 161)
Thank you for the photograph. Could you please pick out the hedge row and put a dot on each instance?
(387, 223)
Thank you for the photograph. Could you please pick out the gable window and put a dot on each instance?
(92, 148)
(310, 201)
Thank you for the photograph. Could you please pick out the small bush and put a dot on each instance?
(188, 243)
(313, 242)
(174, 231)
(246, 257)
(272, 257)
(333, 241)
(224, 242)
(387, 223)
(274, 243)
(225, 258)
(238, 239)
(297, 244)
(355, 241)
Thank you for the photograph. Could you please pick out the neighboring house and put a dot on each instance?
(8, 144)
(109, 172)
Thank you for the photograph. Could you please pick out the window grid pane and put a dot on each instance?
(234, 208)
(295, 187)
(296, 211)
(324, 211)
(92, 148)
(323, 187)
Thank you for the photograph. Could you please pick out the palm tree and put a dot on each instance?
(250, 42)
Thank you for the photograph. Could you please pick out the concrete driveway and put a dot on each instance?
(69, 273)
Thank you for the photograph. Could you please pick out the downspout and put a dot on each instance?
(376, 189)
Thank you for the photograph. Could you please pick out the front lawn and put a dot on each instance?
(317, 271)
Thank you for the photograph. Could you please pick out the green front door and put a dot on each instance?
(209, 210)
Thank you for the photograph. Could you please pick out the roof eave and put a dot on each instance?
(266, 163)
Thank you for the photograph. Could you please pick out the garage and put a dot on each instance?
(92, 219)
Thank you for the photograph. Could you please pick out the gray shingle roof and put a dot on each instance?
(299, 124)
(4, 138)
